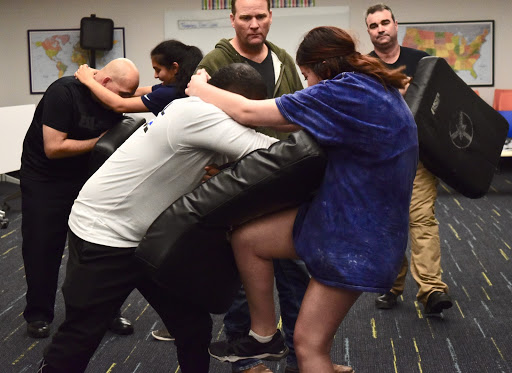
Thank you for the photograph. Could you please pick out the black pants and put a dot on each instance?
(98, 280)
(45, 211)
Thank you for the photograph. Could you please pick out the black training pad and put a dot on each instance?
(186, 249)
(460, 136)
(111, 140)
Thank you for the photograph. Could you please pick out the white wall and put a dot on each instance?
(144, 28)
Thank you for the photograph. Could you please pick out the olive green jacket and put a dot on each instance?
(287, 78)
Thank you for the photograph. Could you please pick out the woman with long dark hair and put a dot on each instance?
(173, 62)
(352, 235)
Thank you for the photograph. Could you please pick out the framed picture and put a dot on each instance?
(468, 46)
(53, 54)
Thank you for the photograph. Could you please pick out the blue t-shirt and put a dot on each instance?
(160, 96)
(353, 234)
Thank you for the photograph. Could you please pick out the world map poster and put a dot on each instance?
(468, 47)
(57, 53)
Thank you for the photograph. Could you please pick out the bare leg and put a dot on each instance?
(313, 338)
(255, 244)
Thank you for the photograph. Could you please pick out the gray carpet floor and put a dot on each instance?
(474, 336)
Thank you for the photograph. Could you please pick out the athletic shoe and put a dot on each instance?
(247, 347)
(162, 335)
(386, 301)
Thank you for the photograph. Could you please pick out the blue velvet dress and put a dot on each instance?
(353, 234)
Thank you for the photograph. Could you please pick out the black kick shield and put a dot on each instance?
(460, 136)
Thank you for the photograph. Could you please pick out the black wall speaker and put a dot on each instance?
(96, 33)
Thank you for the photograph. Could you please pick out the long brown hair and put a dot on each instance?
(329, 51)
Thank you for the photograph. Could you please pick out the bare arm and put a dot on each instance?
(57, 145)
(115, 102)
(252, 113)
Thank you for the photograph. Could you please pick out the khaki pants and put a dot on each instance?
(424, 235)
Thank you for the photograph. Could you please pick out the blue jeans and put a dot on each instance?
(292, 279)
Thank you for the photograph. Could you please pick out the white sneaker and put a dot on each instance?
(162, 335)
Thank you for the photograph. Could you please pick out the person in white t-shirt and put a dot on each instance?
(159, 163)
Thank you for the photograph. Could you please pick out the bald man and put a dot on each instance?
(67, 123)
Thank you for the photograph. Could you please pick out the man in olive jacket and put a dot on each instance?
(251, 20)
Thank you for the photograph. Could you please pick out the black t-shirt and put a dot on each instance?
(266, 69)
(67, 106)
(409, 58)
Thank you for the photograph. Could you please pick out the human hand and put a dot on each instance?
(196, 81)
(407, 83)
(211, 170)
(85, 73)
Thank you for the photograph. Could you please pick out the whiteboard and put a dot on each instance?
(13, 127)
(204, 28)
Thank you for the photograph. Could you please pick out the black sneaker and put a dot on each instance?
(386, 301)
(437, 302)
(247, 347)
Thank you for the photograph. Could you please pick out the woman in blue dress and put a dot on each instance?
(173, 62)
(353, 234)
